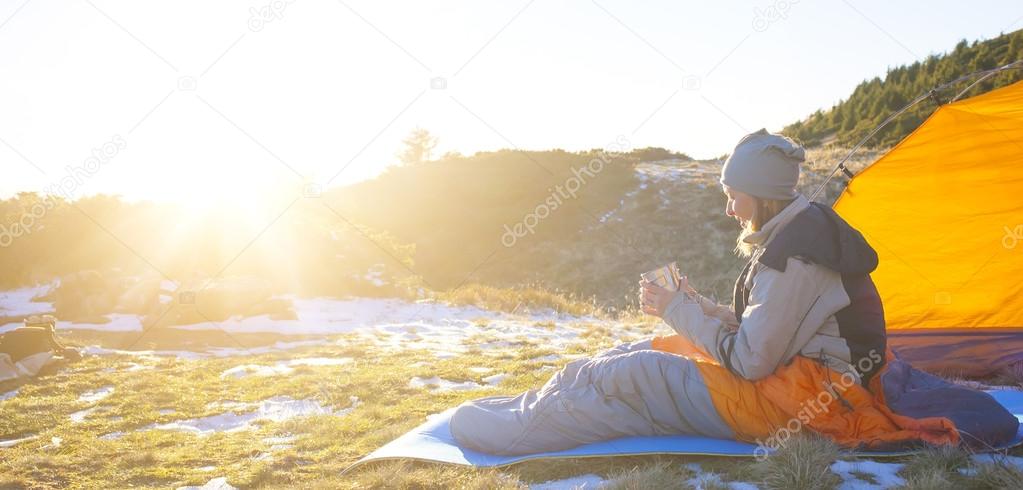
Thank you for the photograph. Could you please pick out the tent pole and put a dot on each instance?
(985, 74)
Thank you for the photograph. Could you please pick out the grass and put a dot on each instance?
(803, 463)
(326, 445)
(999, 474)
(522, 300)
(657, 475)
(936, 467)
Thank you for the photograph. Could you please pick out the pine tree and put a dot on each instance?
(873, 100)
(419, 146)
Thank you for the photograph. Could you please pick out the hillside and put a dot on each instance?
(433, 226)
(875, 99)
(634, 215)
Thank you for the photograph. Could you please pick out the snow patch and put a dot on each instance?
(275, 440)
(111, 436)
(331, 316)
(275, 347)
(80, 416)
(321, 361)
(96, 395)
(399, 325)
(988, 458)
(192, 355)
(675, 170)
(438, 385)
(277, 409)
(256, 370)
(10, 394)
(15, 442)
(547, 358)
(451, 337)
(134, 366)
(214, 484)
(18, 302)
(96, 350)
(713, 480)
(283, 367)
(118, 323)
(495, 379)
(884, 474)
(403, 325)
(583, 482)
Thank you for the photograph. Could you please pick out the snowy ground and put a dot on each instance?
(395, 324)
(256, 400)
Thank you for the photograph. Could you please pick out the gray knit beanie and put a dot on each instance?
(764, 165)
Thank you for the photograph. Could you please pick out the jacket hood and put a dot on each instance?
(820, 235)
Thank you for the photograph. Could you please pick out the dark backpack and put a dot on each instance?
(23, 342)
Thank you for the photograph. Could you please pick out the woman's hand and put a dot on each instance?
(655, 299)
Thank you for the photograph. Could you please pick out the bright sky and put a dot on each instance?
(199, 99)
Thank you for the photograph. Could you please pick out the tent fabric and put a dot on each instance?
(433, 442)
(944, 210)
(977, 352)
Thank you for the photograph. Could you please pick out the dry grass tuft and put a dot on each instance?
(997, 474)
(803, 463)
(657, 475)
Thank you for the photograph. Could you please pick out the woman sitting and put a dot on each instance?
(802, 347)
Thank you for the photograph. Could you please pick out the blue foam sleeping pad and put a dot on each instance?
(433, 442)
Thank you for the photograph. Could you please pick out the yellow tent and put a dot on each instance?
(944, 210)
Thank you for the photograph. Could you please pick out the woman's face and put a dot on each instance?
(740, 205)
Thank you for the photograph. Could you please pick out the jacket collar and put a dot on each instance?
(770, 229)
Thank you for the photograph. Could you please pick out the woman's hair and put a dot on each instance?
(763, 211)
